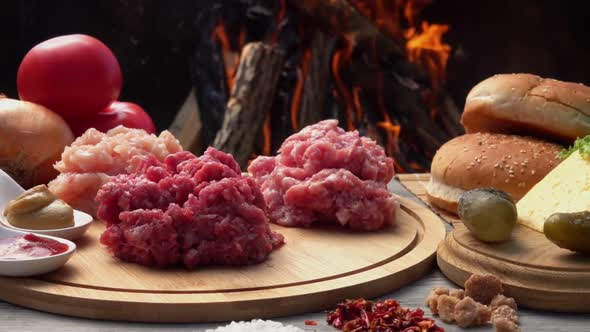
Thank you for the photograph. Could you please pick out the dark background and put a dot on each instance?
(154, 41)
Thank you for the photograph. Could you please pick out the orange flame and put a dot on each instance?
(341, 58)
(427, 49)
(400, 19)
(230, 58)
(298, 93)
(279, 18)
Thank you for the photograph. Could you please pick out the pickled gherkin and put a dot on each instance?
(488, 213)
(569, 230)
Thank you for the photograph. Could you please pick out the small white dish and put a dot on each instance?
(32, 266)
(9, 189)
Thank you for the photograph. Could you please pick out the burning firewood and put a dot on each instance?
(317, 82)
(250, 100)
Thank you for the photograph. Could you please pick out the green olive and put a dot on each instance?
(489, 214)
(569, 230)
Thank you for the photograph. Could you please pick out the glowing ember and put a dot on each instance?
(342, 58)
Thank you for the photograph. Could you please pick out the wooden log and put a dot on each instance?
(317, 83)
(187, 125)
(250, 100)
(208, 78)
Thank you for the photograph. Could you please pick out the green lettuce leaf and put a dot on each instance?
(581, 144)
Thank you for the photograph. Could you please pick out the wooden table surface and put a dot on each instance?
(14, 318)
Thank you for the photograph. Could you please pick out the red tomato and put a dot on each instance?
(73, 75)
(122, 113)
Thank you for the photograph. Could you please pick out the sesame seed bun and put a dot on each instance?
(526, 104)
(510, 163)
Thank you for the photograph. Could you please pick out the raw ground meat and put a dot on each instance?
(325, 174)
(79, 189)
(186, 210)
(94, 157)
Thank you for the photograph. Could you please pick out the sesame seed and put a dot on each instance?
(533, 172)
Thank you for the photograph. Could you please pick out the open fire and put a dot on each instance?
(373, 64)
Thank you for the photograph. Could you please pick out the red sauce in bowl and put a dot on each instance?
(30, 246)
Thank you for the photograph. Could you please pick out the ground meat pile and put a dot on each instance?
(94, 157)
(186, 210)
(482, 301)
(326, 174)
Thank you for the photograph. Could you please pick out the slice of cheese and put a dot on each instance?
(565, 189)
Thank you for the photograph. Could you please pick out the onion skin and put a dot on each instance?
(32, 139)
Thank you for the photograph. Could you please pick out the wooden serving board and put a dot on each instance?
(416, 184)
(316, 268)
(536, 272)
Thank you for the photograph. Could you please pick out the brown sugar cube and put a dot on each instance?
(431, 300)
(483, 288)
(446, 308)
(470, 313)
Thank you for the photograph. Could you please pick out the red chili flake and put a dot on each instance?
(311, 322)
(387, 316)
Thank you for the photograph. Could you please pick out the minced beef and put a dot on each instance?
(326, 174)
(186, 210)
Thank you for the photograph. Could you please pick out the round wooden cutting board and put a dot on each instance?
(316, 268)
(537, 273)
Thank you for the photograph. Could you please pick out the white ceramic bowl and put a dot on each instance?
(9, 189)
(35, 265)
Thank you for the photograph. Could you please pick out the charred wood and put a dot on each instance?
(250, 100)
(209, 79)
(317, 83)
(340, 19)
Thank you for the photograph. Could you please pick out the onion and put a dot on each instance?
(32, 139)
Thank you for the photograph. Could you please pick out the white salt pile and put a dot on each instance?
(257, 325)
